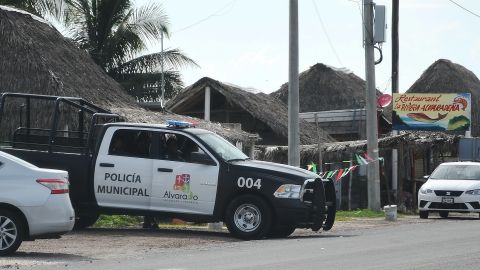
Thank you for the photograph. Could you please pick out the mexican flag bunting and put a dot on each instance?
(367, 157)
(360, 160)
(346, 171)
(339, 175)
(312, 167)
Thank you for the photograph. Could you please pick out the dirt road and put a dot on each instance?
(100, 244)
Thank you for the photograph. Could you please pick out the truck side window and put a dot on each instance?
(177, 147)
(131, 143)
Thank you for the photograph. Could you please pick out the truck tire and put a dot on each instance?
(12, 232)
(248, 217)
(423, 214)
(281, 231)
(83, 222)
(443, 214)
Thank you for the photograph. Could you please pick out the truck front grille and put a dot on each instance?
(307, 191)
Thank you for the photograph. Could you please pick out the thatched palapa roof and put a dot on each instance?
(325, 88)
(261, 106)
(35, 58)
(420, 141)
(444, 76)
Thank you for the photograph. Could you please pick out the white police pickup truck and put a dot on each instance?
(176, 170)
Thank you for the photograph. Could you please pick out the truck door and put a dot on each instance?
(185, 176)
(123, 169)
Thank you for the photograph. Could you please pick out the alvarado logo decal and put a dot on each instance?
(182, 183)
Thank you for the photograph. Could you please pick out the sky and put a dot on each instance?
(245, 42)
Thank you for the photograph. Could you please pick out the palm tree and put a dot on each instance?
(116, 35)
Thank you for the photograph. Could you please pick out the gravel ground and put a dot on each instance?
(99, 243)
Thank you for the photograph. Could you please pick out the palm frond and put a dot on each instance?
(120, 46)
(172, 59)
(146, 87)
(110, 13)
(149, 21)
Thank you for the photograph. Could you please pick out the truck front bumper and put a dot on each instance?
(316, 208)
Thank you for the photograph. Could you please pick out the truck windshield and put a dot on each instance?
(222, 147)
(456, 172)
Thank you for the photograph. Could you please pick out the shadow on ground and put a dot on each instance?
(170, 232)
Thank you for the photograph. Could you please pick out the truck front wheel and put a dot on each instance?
(281, 231)
(248, 217)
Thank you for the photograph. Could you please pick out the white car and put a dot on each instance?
(34, 203)
(452, 187)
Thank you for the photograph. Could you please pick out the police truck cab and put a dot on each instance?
(176, 170)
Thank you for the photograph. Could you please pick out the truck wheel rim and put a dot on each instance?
(8, 232)
(247, 217)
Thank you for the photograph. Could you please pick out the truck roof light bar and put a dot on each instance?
(179, 124)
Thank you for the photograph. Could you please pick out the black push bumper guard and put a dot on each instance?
(320, 196)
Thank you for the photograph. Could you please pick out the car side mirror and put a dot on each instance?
(202, 159)
(426, 177)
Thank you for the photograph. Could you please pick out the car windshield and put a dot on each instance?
(457, 172)
(222, 147)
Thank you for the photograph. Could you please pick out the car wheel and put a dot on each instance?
(443, 214)
(248, 217)
(11, 232)
(83, 222)
(281, 231)
(423, 214)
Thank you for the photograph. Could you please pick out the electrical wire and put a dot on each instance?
(467, 10)
(381, 55)
(220, 12)
(365, 28)
(326, 33)
(385, 85)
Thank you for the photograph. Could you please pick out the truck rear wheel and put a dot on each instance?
(83, 222)
(248, 217)
(11, 232)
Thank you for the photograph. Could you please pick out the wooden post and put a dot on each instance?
(206, 115)
(320, 158)
(350, 178)
(414, 191)
(401, 174)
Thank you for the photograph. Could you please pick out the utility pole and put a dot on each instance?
(371, 107)
(162, 100)
(395, 55)
(394, 46)
(293, 89)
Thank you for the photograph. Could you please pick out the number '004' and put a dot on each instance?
(249, 183)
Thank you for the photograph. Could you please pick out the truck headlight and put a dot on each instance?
(426, 191)
(288, 191)
(473, 192)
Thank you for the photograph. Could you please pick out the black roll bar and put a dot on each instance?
(76, 102)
